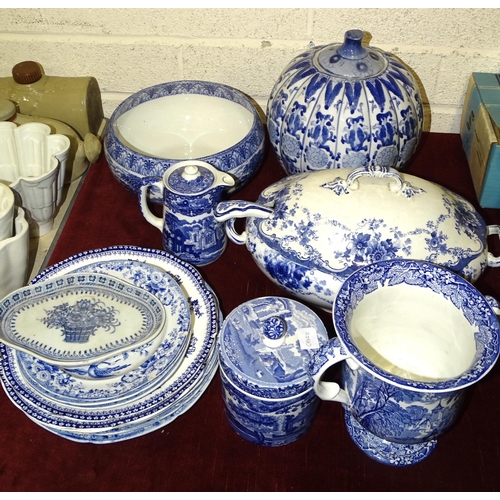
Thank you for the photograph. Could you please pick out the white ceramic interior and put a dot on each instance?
(14, 256)
(183, 126)
(33, 164)
(6, 212)
(413, 333)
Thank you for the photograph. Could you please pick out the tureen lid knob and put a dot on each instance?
(351, 59)
(352, 48)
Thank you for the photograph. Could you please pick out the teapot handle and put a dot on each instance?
(328, 355)
(228, 211)
(147, 183)
(492, 260)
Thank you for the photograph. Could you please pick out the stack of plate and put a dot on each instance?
(105, 402)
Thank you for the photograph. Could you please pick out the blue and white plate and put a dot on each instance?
(137, 429)
(193, 366)
(161, 359)
(79, 319)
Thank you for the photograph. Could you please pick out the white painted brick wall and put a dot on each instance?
(130, 49)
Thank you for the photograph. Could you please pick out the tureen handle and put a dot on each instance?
(396, 185)
(329, 354)
(228, 211)
(492, 260)
(493, 303)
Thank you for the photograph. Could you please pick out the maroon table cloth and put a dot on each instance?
(199, 451)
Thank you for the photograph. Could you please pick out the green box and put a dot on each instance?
(480, 133)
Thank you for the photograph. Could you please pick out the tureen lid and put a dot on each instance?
(267, 344)
(351, 59)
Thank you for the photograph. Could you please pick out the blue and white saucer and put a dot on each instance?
(384, 451)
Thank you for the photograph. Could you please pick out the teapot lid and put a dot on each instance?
(266, 344)
(191, 178)
(194, 177)
(351, 59)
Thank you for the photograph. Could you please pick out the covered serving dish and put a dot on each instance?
(308, 232)
(344, 105)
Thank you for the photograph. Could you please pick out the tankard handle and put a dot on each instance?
(492, 260)
(328, 355)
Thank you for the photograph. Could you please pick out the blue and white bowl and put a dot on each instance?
(183, 120)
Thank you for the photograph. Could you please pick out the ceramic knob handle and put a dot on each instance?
(352, 48)
(274, 331)
(191, 172)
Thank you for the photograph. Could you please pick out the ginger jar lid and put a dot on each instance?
(266, 346)
(351, 59)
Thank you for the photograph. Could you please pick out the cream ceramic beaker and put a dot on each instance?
(6, 211)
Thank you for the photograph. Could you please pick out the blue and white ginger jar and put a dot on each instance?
(344, 106)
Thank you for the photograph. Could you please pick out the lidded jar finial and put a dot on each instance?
(352, 47)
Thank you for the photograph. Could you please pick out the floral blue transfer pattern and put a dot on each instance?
(319, 229)
(318, 120)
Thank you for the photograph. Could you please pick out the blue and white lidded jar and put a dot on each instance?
(265, 348)
(344, 106)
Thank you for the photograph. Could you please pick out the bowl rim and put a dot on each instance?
(183, 87)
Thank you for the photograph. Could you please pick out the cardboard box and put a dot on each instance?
(480, 133)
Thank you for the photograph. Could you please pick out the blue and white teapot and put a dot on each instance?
(344, 106)
(308, 232)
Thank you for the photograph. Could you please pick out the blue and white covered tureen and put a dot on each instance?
(344, 106)
(308, 232)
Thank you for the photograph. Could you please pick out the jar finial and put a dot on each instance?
(352, 48)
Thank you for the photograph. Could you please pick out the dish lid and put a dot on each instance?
(337, 220)
(72, 320)
(266, 345)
